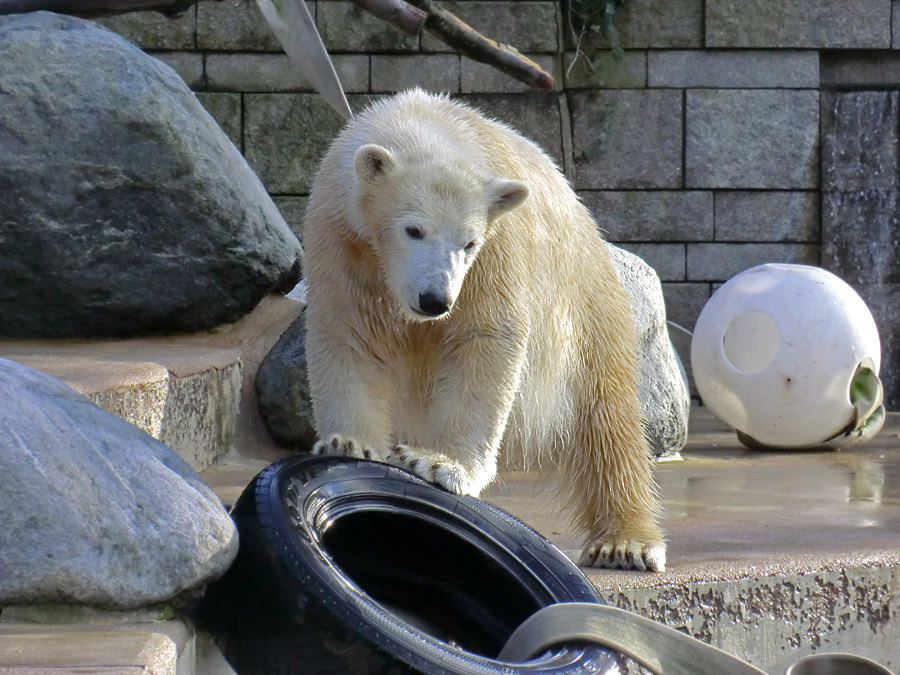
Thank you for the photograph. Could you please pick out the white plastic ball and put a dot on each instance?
(775, 349)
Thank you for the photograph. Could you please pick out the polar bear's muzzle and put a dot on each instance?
(433, 304)
(432, 278)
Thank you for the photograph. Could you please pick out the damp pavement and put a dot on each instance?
(771, 555)
(730, 511)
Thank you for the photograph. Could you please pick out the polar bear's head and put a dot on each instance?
(427, 217)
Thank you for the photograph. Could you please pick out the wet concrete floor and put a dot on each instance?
(731, 513)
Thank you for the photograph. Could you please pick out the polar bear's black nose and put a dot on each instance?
(433, 304)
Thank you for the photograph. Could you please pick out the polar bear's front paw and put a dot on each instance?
(639, 553)
(343, 445)
(432, 467)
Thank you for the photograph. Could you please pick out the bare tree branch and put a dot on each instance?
(469, 42)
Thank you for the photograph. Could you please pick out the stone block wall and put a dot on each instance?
(698, 143)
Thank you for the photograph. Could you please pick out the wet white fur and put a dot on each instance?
(536, 355)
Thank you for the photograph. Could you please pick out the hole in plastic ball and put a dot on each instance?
(751, 341)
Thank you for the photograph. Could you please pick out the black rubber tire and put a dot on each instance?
(334, 550)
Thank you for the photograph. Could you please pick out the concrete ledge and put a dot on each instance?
(84, 651)
(188, 391)
(773, 620)
(68, 639)
(772, 555)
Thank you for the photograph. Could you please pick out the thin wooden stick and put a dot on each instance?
(469, 42)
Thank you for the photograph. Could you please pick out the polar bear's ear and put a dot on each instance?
(504, 195)
(372, 161)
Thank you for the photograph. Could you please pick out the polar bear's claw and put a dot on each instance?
(343, 445)
(429, 466)
(625, 554)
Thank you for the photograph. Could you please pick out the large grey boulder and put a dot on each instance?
(124, 209)
(282, 389)
(662, 385)
(95, 511)
(285, 403)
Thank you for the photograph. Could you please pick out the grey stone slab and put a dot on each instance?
(657, 215)
(432, 72)
(861, 235)
(529, 26)
(353, 70)
(606, 69)
(685, 301)
(226, 110)
(293, 209)
(816, 24)
(734, 69)
(668, 260)
(285, 136)
(860, 140)
(883, 299)
(230, 26)
(188, 66)
(152, 30)
(720, 262)
(269, 73)
(476, 78)
(895, 27)
(654, 24)
(345, 27)
(767, 216)
(861, 169)
(875, 69)
(254, 73)
(201, 413)
(627, 138)
(568, 163)
(535, 116)
(746, 138)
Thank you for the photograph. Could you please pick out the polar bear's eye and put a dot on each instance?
(469, 246)
(415, 232)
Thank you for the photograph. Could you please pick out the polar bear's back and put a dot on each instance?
(416, 119)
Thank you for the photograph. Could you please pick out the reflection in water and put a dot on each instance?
(867, 482)
(821, 488)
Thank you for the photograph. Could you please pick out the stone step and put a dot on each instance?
(188, 391)
(94, 642)
(42, 652)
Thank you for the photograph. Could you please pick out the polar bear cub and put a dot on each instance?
(461, 300)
